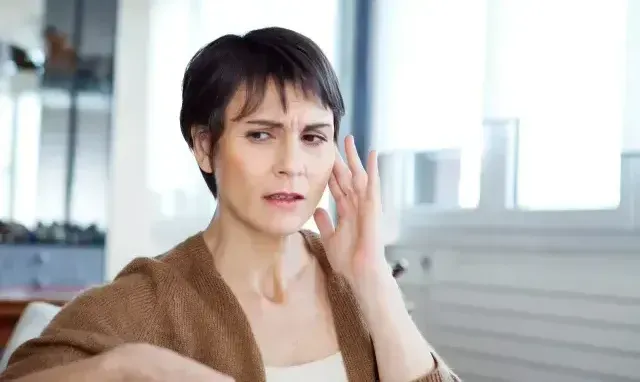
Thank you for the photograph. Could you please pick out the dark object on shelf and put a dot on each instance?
(11, 232)
(17, 57)
(56, 233)
(61, 56)
(22, 59)
(399, 268)
(64, 66)
(92, 74)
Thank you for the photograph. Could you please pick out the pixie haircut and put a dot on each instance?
(217, 71)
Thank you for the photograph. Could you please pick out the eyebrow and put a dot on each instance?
(274, 124)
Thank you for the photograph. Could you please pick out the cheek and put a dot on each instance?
(241, 168)
(322, 164)
(247, 168)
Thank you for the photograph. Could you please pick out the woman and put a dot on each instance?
(252, 297)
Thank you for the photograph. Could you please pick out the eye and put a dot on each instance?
(314, 139)
(258, 136)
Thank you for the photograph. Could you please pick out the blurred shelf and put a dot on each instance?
(86, 100)
(55, 92)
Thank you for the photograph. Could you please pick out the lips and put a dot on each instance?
(284, 197)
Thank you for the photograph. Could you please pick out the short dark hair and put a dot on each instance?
(216, 71)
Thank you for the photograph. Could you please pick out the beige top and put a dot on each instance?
(179, 301)
(328, 369)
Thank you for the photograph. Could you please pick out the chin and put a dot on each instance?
(282, 226)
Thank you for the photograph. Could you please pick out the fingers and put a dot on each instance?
(323, 222)
(373, 184)
(344, 179)
(342, 174)
(342, 200)
(359, 175)
(350, 183)
(335, 188)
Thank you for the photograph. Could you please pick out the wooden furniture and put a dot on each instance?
(13, 302)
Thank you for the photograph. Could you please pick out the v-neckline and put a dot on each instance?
(353, 336)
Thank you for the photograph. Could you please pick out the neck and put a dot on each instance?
(252, 261)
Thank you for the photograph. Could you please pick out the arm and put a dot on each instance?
(402, 352)
(131, 362)
(96, 369)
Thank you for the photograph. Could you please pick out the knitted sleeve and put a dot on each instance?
(96, 321)
(441, 373)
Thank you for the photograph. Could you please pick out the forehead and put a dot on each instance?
(274, 100)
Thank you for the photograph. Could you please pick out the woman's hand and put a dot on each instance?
(355, 250)
(354, 247)
(145, 362)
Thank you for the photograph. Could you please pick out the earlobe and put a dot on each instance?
(205, 164)
(202, 148)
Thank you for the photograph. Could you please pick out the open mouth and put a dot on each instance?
(284, 198)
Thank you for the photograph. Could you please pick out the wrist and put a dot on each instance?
(377, 292)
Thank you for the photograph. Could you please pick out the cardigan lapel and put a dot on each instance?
(238, 335)
(353, 336)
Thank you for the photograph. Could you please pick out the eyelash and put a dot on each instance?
(316, 139)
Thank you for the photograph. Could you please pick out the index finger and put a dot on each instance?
(342, 173)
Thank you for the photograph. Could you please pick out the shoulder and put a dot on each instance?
(120, 308)
(125, 307)
(132, 308)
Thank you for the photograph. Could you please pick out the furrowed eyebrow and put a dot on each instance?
(273, 124)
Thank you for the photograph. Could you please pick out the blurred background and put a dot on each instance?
(508, 130)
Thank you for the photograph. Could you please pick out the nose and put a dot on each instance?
(289, 160)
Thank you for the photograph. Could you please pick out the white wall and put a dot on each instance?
(128, 202)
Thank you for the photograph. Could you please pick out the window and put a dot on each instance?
(441, 68)
(428, 100)
(559, 68)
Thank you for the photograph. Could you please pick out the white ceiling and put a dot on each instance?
(21, 22)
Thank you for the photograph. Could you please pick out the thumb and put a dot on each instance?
(323, 221)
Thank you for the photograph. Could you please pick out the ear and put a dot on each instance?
(202, 150)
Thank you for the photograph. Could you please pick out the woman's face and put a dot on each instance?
(272, 166)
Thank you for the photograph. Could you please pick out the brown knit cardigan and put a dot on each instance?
(180, 302)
